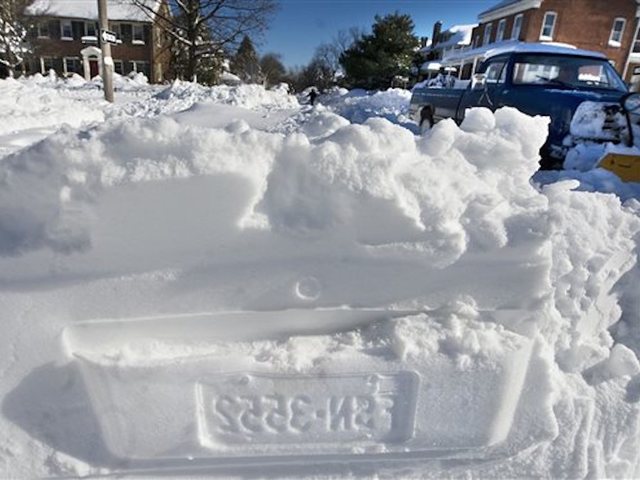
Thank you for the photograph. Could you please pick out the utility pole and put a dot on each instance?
(107, 60)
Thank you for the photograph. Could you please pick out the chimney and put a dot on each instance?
(424, 41)
(437, 28)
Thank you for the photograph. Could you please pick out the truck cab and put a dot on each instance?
(537, 79)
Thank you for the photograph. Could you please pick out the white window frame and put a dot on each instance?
(544, 24)
(486, 35)
(64, 64)
(502, 27)
(86, 29)
(40, 25)
(42, 60)
(62, 24)
(617, 43)
(134, 65)
(636, 41)
(517, 20)
(133, 33)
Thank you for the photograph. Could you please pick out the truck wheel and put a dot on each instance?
(426, 118)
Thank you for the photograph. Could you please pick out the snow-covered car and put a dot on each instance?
(537, 79)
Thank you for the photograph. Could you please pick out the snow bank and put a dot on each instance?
(452, 309)
(358, 105)
(247, 96)
(32, 104)
(439, 192)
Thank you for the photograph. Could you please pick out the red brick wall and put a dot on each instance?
(69, 48)
(126, 52)
(586, 24)
(478, 32)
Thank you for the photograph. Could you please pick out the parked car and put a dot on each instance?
(537, 79)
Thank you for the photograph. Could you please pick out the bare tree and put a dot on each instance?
(202, 30)
(14, 46)
(326, 59)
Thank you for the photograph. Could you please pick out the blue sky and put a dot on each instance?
(301, 25)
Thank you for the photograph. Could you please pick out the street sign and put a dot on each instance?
(109, 37)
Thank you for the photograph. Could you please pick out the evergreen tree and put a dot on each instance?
(374, 60)
(272, 69)
(245, 64)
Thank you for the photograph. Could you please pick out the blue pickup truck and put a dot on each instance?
(537, 79)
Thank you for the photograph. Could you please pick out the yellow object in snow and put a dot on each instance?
(627, 167)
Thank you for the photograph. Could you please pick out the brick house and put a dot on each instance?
(607, 26)
(66, 39)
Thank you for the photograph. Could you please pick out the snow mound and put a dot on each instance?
(439, 192)
(30, 104)
(462, 307)
(247, 96)
(359, 105)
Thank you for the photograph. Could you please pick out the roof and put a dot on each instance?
(553, 48)
(430, 67)
(88, 9)
(498, 6)
(512, 46)
(460, 35)
(506, 8)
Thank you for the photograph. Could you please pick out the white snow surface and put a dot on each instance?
(220, 281)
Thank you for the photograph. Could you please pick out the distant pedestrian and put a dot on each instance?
(313, 94)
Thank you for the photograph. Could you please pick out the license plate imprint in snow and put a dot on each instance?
(252, 409)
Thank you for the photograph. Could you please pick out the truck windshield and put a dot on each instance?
(566, 72)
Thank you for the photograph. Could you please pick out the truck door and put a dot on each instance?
(487, 95)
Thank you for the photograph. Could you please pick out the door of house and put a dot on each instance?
(94, 69)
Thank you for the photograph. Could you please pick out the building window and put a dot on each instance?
(118, 67)
(90, 29)
(502, 26)
(142, 67)
(71, 65)
(115, 28)
(548, 26)
(636, 42)
(138, 34)
(486, 40)
(43, 29)
(66, 30)
(615, 39)
(46, 64)
(517, 27)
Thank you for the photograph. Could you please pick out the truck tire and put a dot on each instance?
(426, 118)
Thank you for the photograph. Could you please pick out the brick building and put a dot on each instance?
(66, 38)
(607, 26)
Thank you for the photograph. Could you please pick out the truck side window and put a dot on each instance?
(496, 72)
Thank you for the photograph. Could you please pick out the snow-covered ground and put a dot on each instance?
(199, 281)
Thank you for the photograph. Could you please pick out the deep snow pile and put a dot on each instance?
(246, 96)
(359, 105)
(32, 104)
(289, 285)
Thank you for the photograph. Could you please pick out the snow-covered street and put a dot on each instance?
(222, 280)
